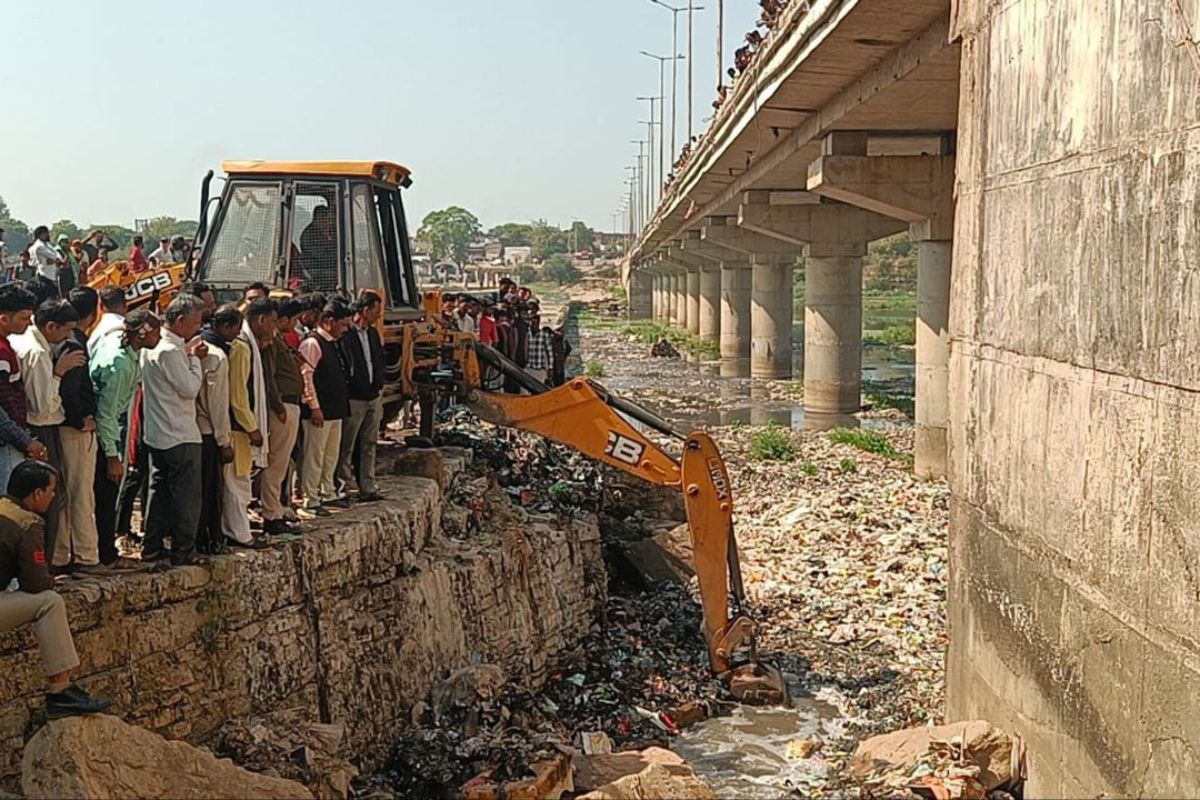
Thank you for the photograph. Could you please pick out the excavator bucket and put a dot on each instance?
(708, 497)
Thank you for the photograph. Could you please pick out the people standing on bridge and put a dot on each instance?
(42, 374)
(77, 437)
(284, 361)
(362, 351)
(326, 405)
(30, 492)
(16, 442)
(172, 379)
(115, 372)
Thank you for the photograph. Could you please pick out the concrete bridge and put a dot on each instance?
(1044, 157)
(841, 133)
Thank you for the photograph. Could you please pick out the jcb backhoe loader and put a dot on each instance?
(340, 227)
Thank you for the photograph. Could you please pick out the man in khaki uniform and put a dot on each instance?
(33, 601)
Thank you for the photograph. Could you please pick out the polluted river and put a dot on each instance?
(843, 553)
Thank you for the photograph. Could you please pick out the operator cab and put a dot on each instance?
(334, 227)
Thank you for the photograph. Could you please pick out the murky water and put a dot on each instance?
(762, 752)
(695, 393)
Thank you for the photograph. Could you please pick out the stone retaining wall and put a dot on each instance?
(358, 621)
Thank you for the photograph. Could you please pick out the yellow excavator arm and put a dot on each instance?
(584, 416)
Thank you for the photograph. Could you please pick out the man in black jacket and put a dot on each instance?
(363, 353)
(77, 438)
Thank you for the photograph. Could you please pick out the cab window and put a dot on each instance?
(246, 242)
(368, 259)
(395, 247)
(315, 253)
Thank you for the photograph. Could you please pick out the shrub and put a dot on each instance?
(772, 443)
(560, 269)
(847, 465)
(594, 369)
(867, 441)
(808, 468)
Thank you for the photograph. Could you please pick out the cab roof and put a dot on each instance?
(385, 171)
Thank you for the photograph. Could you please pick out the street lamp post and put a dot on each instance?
(675, 68)
(650, 123)
(662, 85)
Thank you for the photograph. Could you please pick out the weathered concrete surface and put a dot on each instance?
(1075, 365)
(736, 280)
(359, 621)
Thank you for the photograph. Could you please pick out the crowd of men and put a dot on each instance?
(228, 423)
(771, 12)
(68, 262)
(510, 320)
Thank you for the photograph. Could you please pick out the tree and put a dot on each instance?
(64, 227)
(546, 240)
(166, 227)
(4, 212)
(513, 234)
(560, 269)
(582, 237)
(449, 232)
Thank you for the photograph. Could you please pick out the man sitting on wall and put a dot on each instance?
(31, 487)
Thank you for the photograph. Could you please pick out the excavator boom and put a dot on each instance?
(583, 415)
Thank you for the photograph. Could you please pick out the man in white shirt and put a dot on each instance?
(45, 258)
(53, 322)
(161, 255)
(112, 316)
(171, 381)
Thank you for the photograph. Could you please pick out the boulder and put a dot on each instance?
(651, 774)
(292, 744)
(423, 462)
(666, 556)
(101, 756)
(976, 757)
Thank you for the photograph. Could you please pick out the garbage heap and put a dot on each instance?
(640, 675)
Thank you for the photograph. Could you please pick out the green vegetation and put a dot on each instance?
(870, 442)
(896, 334)
(448, 232)
(560, 269)
(526, 274)
(594, 369)
(650, 332)
(808, 468)
(847, 466)
(618, 292)
(18, 233)
(772, 443)
(884, 394)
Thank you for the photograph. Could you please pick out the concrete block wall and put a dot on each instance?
(1075, 393)
(357, 622)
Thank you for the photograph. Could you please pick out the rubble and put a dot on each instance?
(962, 760)
(652, 774)
(290, 744)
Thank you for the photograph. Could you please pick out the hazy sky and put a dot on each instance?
(515, 110)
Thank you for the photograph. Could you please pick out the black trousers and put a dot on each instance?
(209, 538)
(106, 493)
(173, 508)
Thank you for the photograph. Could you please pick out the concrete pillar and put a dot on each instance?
(933, 357)
(639, 294)
(679, 299)
(771, 321)
(833, 333)
(710, 304)
(693, 302)
(654, 297)
(735, 317)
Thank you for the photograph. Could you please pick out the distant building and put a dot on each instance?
(493, 250)
(515, 256)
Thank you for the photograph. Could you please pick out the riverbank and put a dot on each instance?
(844, 556)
